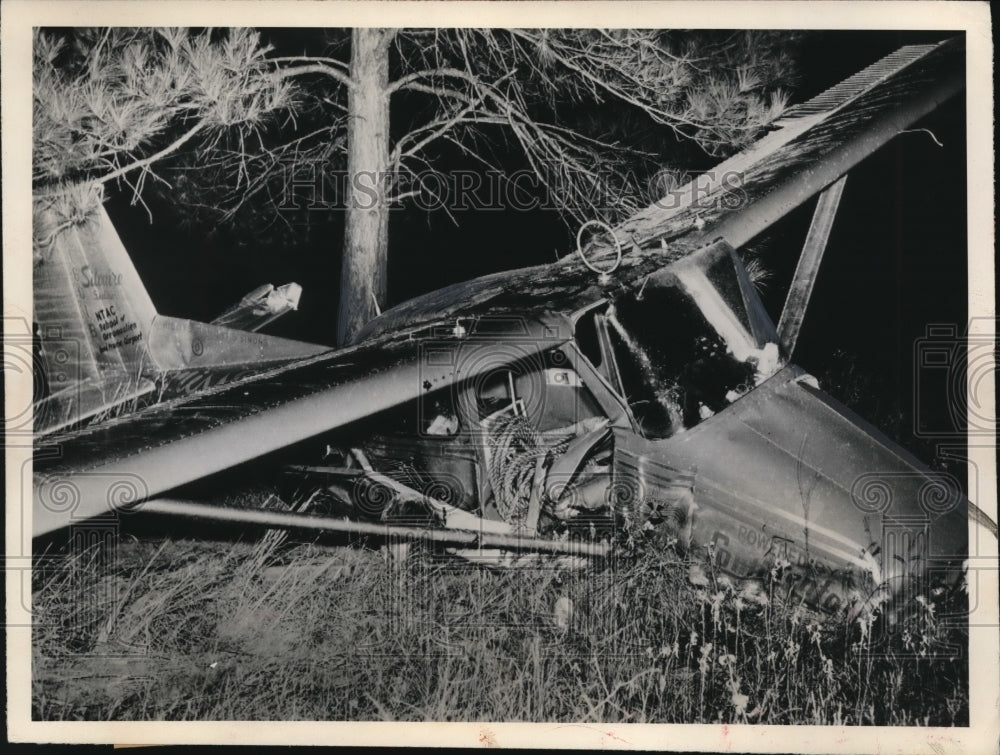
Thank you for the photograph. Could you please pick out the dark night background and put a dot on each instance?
(896, 260)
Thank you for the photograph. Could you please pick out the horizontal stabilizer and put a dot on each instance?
(261, 307)
(176, 343)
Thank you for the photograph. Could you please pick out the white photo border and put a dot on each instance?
(20, 16)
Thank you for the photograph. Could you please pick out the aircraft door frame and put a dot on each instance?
(608, 398)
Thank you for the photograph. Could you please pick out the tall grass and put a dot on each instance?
(272, 629)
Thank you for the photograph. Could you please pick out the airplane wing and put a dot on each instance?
(122, 461)
(104, 467)
(814, 144)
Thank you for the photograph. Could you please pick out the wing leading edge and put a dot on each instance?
(815, 144)
(104, 468)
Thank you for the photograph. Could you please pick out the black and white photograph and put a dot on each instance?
(397, 363)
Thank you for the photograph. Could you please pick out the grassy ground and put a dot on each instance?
(173, 628)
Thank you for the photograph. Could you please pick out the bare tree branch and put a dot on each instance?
(314, 68)
(147, 161)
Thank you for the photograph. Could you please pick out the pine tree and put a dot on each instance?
(380, 103)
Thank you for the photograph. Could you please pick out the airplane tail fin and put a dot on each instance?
(100, 344)
(92, 313)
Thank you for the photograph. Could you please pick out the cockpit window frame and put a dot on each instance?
(605, 379)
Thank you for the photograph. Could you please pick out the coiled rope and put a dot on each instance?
(515, 447)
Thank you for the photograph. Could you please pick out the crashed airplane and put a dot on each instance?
(637, 386)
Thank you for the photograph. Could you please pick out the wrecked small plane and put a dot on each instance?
(638, 386)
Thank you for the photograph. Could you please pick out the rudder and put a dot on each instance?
(92, 313)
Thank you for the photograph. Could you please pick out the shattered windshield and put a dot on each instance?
(694, 340)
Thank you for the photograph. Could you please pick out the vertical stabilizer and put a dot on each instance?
(92, 313)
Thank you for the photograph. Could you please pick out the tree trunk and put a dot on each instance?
(366, 233)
